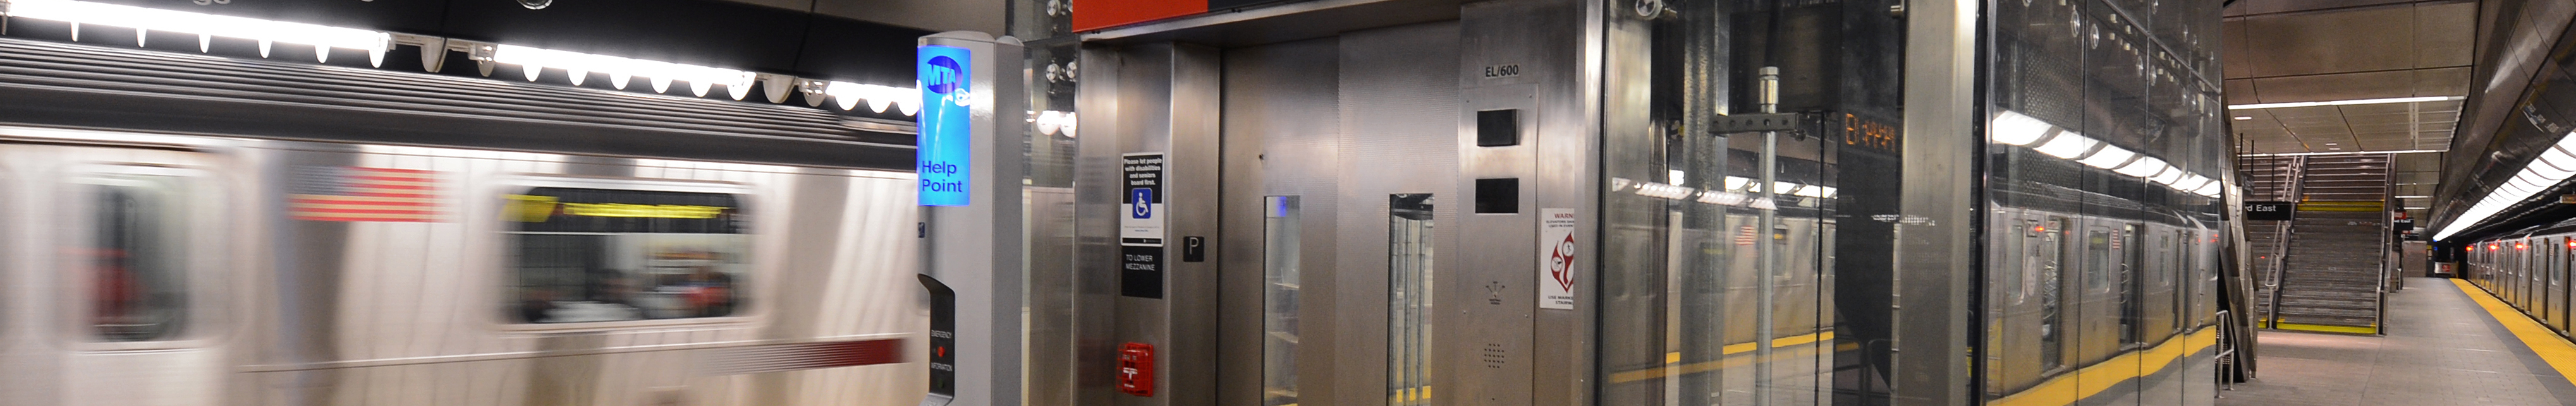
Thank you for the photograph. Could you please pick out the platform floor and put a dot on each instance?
(2442, 348)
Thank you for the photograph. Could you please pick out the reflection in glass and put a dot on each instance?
(592, 255)
(138, 235)
(1280, 277)
(1408, 269)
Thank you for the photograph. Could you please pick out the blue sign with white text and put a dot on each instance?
(943, 145)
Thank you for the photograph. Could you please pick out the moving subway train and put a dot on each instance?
(2528, 269)
(168, 269)
(355, 236)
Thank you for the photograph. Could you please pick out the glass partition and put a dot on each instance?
(1280, 276)
(1408, 270)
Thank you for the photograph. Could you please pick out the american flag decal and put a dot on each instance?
(346, 193)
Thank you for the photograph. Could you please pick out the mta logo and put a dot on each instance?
(944, 80)
(1143, 208)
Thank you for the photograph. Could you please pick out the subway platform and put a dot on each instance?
(2447, 343)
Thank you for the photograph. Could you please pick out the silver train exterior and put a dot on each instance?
(2527, 270)
(230, 294)
(2076, 296)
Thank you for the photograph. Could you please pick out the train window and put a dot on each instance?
(138, 235)
(594, 255)
(2097, 260)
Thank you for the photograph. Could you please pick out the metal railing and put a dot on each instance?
(2289, 189)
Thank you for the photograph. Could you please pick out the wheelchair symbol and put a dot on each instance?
(1143, 203)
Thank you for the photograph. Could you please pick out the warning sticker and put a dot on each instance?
(1556, 255)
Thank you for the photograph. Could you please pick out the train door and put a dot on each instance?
(2516, 277)
(2052, 298)
(128, 270)
(2541, 274)
(2130, 293)
(2554, 263)
(2526, 296)
(2546, 255)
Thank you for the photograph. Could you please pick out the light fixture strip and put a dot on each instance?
(2411, 151)
(374, 43)
(2525, 184)
(2345, 102)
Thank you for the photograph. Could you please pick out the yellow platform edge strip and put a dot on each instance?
(1729, 351)
(2322, 328)
(2066, 389)
(2555, 350)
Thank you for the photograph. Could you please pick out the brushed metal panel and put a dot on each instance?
(1399, 117)
(1936, 253)
(1282, 133)
(2336, 86)
(1192, 177)
(2452, 81)
(1096, 174)
(2241, 91)
(2443, 33)
(2292, 6)
(2370, 39)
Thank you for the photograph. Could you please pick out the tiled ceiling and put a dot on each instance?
(2283, 51)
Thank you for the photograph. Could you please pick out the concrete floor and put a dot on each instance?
(2441, 349)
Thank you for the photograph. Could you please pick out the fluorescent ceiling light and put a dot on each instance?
(2169, 177)
(1053, 122)
(2111, 156)
(620, 70)
(2538, 175)
(2210, 190)
(2143, 167)
(878, 97)
(2191, 183)
(205, 25)
(2017, 129)
(2344, 102)
(2068, 145)
(2411, 151)
(1737, 182)
(2244, 117)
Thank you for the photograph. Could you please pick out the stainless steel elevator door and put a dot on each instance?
(1340, 125)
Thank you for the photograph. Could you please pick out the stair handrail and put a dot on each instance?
(2294, 182)
(2387, 233)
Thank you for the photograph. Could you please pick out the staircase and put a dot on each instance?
(2267, 178)
(2333, 272)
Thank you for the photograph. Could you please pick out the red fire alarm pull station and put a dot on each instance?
(1136, 369)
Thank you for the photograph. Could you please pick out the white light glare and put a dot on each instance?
(1053, 122)
(878, 97)
(2143, 167)
(2539, 175)
(322, 38)
(2067, 145)
(2111, 156)
(2169, 177)
(700, 78)
(1662, 190)
(2017, 129)
(2345, 102)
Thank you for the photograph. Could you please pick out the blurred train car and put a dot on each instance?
(2071, 289)
(2528, 270)
(528, 245)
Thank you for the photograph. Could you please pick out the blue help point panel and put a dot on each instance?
(942, 153)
